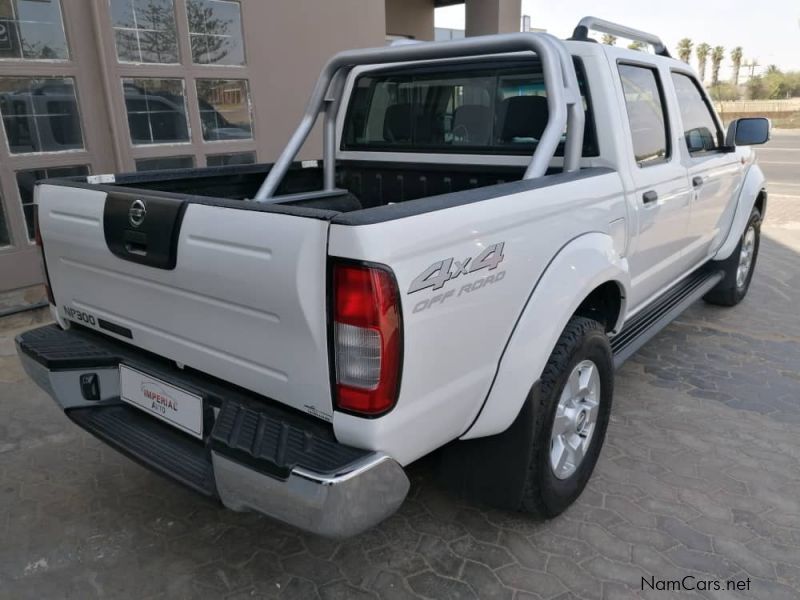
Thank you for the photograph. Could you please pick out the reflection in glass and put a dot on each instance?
(164, 163)
(224, 109)
(238, 158)
(156, 110)
(144, 31)
(32, 30)
(40, 114)
(215, 30)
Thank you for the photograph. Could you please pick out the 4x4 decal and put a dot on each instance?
(439, 273)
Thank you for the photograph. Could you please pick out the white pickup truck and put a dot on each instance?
(496, 224)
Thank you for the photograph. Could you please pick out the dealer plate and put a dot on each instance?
(177, 407)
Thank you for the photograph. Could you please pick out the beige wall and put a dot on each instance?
(289, 42)
(412, 18)
(484, 17)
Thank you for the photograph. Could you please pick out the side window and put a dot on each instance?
(644, 101)
(699, 126)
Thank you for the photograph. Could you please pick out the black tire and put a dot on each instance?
(728, 292)
(544, 494)
(511, 470)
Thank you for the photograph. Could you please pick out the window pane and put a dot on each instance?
(145, 31)
(169, 162)
(32, 29)
(645, 105)
(5, 240)
(27, 179)
(40, 114)
(699, 127)
(215, 29)
(156, 110)
(239, 158)
(224, 109)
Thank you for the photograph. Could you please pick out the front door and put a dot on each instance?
(714, 172)
(661, 187)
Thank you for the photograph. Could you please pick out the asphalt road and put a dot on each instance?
(780, 160)
(698, 481)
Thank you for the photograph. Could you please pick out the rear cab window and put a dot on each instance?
(489, 109)
(644, 102)
(700, 129)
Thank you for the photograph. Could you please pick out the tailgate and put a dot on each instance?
(238, 294)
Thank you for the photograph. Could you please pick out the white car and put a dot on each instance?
(497, 223)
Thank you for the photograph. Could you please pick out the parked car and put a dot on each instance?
(496, 225)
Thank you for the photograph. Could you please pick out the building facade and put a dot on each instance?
(103, 86)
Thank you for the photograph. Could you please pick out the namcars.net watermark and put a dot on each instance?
(691, 583)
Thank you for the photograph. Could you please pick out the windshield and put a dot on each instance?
(488, 109)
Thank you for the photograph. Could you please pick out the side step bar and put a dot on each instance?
(644, 326)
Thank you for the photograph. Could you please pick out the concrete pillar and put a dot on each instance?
(484, 17)
(413, 18)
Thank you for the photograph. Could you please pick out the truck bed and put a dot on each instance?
(370, 183)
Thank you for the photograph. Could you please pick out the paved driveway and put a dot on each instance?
(699, 476)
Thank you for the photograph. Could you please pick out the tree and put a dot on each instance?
(637, 45)
(609, 39)
(716, 60)
(702, 51)
(210, 40)
(774, 84)
(724, 91)
(685, 49)
(736, 59)
(152, 38)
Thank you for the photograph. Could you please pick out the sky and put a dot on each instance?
(767, 30)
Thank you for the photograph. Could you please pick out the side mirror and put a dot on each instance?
(748, 131)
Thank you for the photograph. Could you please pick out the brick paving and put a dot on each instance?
(698, 477)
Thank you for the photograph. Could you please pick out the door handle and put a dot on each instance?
(697, 181)
(649, 197)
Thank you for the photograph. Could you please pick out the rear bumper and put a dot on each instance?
(255, 455)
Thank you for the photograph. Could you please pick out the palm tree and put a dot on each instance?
(637, 45)
(772, 69)
(685, 49)
(609, 39)
(716, 60)
(702, 51)
(736, 59)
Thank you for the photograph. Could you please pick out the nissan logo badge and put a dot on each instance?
(136, 213)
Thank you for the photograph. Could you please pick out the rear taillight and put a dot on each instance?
(367, 338)
(38, 238)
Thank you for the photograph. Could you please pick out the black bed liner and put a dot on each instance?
(384, 190)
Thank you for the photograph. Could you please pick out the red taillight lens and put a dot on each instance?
(367, 338)
(38, 237)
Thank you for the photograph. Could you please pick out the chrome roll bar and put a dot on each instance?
(563, 99)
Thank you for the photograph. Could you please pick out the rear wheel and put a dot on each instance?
(575, 404)
(738, 267)
(542, 462)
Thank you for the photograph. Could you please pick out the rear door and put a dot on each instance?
(661, 187)
(236, 292)
(715, 173)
